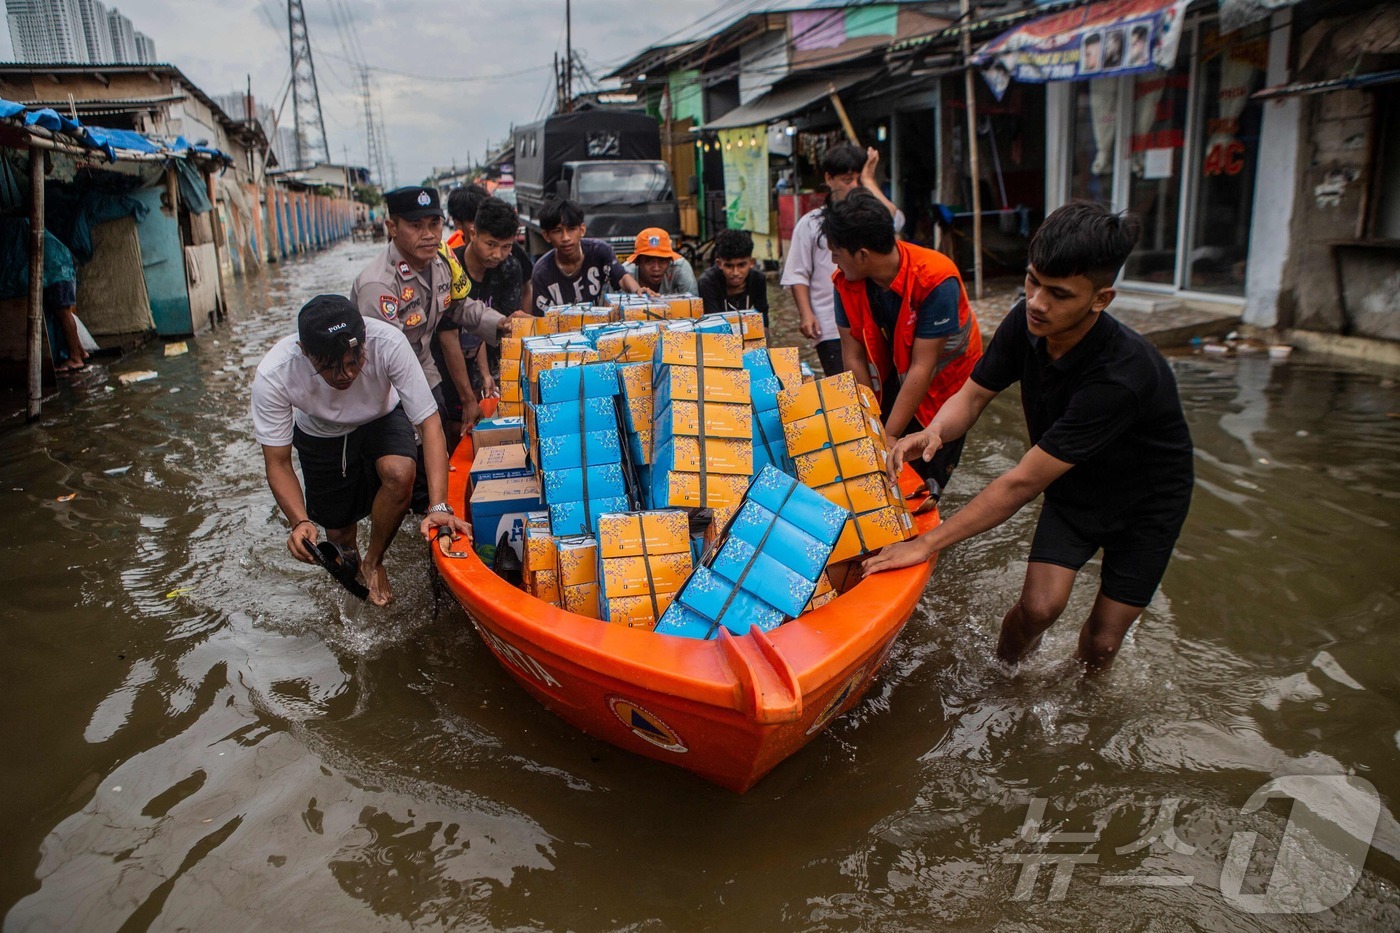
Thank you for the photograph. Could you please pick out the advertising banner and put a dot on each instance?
(746, 177)
(1115, 37)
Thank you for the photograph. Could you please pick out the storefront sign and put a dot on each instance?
(746, 177)
(1116, 37)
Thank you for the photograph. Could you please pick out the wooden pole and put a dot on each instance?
(36, 283)
(975, 163)
(217, 228)
(840, 109)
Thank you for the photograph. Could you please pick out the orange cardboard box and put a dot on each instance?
(641, 612)
(720, 455)
(538, 358)
(582, 600)
(576, 318)
(721, 385)
(683, 306)
(658, 309)
(508, 409)
(692, 349)
(833, 426)
(511, 369)
(873, 530)
(721, 491)
(636, 345)
(862, 494)
(541, 551)
(827, 394)
(632, 534)
(639, 576)
(545, 586)
(578, 560)
(721, 419)
(787, 366)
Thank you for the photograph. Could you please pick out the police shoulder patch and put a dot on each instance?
(389, 307)
(404, 271)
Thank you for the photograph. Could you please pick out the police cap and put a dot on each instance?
(412, 202)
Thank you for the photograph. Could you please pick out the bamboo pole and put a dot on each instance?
(36, 283)
(970, 89)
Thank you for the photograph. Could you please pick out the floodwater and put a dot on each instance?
(202, 733)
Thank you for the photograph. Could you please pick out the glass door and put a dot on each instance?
(1226, 146)
(1153, 171)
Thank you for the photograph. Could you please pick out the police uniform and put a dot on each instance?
(419, 302)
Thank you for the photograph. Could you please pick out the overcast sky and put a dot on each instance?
(430, 122)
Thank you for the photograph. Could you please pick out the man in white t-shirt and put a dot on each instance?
(346, 392)
(809, 267)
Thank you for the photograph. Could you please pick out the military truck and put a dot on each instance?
(608, 162)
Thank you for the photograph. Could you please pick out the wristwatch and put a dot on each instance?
(441, 507)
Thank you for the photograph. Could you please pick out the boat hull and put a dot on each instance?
(728, 710)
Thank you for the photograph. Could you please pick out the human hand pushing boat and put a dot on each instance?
(1110, 446)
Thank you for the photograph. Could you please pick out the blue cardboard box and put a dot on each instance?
(571, 383)
(603, 481)
(581, 518)
(801, 505)
(572, 451)
(576, 417)
(765, 567)
(498, 507)
(709, 595)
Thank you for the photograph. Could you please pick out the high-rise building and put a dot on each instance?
(145, 49)
(46, 31)
(96, 36)
(123, 37)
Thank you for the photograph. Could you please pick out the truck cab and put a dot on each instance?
(621, 199)
(608, 162)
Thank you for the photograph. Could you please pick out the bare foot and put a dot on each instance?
(380, 593)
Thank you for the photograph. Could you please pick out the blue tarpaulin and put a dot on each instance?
(105, 140)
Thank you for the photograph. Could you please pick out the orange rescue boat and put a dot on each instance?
(729, 709)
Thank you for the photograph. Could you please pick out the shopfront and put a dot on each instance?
(1180, 148)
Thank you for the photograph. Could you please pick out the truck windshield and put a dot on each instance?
(622, 181)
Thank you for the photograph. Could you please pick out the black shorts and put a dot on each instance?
(339, 472)
(829, 352)
(1135, 554)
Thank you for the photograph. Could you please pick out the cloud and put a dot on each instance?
(413, 48)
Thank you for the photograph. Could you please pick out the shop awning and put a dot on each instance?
(792, 97)
(1111, 37)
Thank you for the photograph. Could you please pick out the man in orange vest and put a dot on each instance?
(901, 310)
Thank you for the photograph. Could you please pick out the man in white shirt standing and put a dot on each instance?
(346, 392)
(809, 267)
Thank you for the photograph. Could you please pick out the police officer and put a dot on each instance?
(410, 284)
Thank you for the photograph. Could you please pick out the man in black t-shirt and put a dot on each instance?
(1111, 453)
(734, 282)
(577, 269)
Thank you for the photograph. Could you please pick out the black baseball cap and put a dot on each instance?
(413, 202)
(328, 325)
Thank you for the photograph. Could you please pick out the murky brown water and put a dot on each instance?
(200, 732)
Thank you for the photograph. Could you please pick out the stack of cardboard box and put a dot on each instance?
(770, 372)
(766, 565)
(702, 441)
(838, 445)
(644, 558)
(561, 571)
(580, 446)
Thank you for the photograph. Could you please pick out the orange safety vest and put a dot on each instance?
(920, 272)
